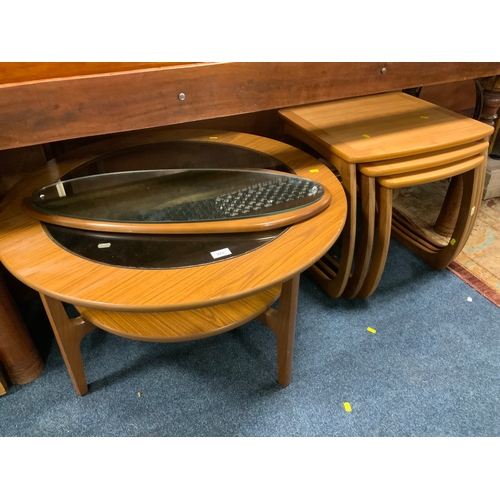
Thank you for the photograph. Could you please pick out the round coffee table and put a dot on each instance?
(178, 303)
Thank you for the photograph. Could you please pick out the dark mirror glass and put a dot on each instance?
(158, 251)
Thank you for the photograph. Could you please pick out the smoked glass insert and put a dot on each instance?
(172, 195)
(157, 251)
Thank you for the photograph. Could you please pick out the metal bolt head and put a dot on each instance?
(181, 96)
(383, 71)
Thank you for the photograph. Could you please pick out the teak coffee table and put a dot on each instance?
(173, 287)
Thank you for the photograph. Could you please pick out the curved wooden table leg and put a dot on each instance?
(282, 323)
(333, 281)
(473, 182)
(331, 275)
(384, 222)
(440, 257)
(18, 354)
(69, 333)
(365, 245)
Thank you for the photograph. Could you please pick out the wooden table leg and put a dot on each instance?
(440, 256)
(18, 354)
(334, 281)
(473, 184)
(3, 382)
(447, 218)
(69, 333)
(384, 221)
(491, 100)
(282, 323)
(365, 247)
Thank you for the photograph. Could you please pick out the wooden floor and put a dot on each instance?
(481, 256)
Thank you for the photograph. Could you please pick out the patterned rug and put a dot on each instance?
(479, 262)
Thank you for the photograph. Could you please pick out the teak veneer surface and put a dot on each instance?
(431, 174)
(423, 161)
(384, 126)
(29, 254)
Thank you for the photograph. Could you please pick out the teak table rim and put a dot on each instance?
(53, 271)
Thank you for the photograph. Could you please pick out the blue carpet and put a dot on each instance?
(431, 369)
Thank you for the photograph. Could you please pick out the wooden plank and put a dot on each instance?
(65, 108)
(16, 72)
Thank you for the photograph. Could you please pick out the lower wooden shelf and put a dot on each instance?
(179, 326)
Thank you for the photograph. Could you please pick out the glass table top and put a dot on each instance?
(165, 196)
(169, 183)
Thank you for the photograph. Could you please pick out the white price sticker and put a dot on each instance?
(220, 253)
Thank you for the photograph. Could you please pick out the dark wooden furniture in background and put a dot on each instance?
(17, 352)
(47, 102)
(491, 99)
(43, 103)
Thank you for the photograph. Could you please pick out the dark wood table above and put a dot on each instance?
(46, 102)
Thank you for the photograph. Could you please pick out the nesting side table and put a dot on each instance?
(379, 143)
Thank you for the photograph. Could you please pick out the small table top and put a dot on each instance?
(384, 126)
(29, 254)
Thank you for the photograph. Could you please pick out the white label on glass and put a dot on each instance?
(104, 245)
(220, 253)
